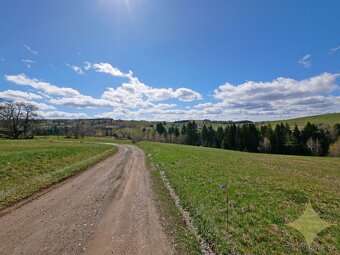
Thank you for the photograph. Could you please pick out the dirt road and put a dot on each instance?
(108, 209)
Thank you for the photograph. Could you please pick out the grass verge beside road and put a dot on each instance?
(28, 166)
(184, 241)
(266, 193)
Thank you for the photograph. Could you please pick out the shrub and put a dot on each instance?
(334, 149)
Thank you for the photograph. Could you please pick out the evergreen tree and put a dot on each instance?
(337, 130)
(238, 138)
(243, 137)
(278, 139)
(191, 135)
(325, 141)
(211, 137)
(297, 145)
(205, 136)
(226, 140)
(288, 139)
(309, 131)
(160, 128)
(219, 137)
(252, 138)
(183, 129)
(176, 132)
(231, 137)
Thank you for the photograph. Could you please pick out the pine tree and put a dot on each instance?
(238, 138)
(211, 137)
(176, 132)
(253, 138)
(297, 145)
(277, 139)
(226, 140)
(160, 128)
(191, 135)
(232, 137)
(205, 136)
(219, 137)
(183, 130)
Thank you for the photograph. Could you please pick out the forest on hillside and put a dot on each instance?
(317, 140)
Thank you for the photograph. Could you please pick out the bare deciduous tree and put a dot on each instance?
(16, 118)
(314, 146)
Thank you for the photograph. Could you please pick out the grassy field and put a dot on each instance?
(27, 166)
(85, 139)
(266, 193)
(331, 119)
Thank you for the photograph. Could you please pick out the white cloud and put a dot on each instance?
(28, 62)
(282, 96)
(61, 115)
(305, 60)
(30, 49)
(108, 69)
(164, 106)
(76, 69)
(254, 100)
(280, 88)
(83, 101)
(182, 94)
(60, 95)
(16, 94)
(134, 92)
(40, 106)
(48, 88)
(333, 50)
(187, 95)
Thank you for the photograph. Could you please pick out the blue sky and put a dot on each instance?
(170, 60)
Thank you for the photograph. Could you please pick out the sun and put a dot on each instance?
(119, 6)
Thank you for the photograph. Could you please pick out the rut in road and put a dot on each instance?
(107, 209)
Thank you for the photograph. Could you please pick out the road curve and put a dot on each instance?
(107, 209)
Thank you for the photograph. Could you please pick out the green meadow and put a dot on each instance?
(266, 192)
(84, 140)
(28, 166)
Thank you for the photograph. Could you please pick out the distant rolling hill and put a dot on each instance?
(330, 119)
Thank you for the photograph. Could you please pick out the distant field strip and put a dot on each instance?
(266, 193)
(31, 165)
(331, 119)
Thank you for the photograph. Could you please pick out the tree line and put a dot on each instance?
(282, 139)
